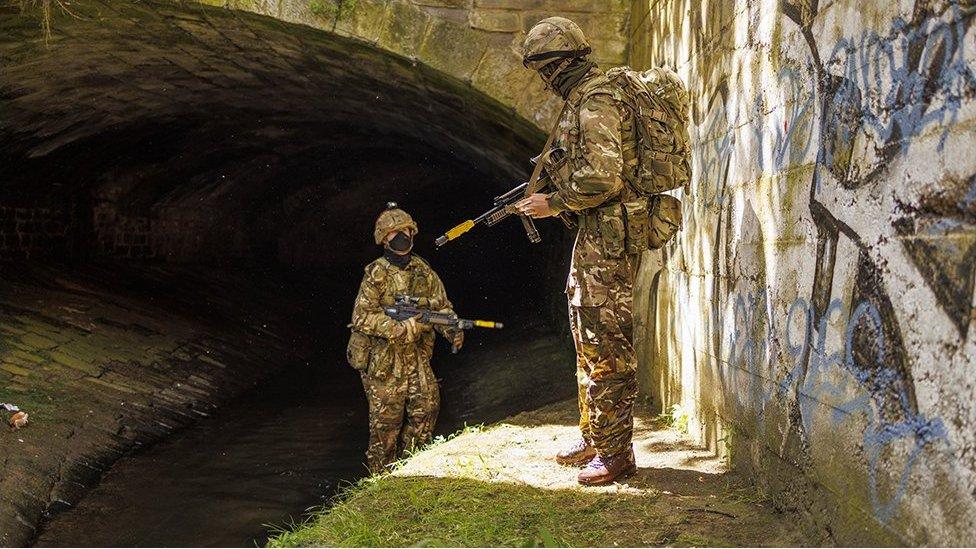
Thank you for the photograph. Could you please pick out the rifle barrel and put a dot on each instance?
(511, 195)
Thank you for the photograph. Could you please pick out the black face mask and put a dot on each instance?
(402, 243)
(569, 78)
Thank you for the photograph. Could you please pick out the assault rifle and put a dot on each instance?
(504, 205)
(406, 307)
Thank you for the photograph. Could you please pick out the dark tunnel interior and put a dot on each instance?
(178, 153)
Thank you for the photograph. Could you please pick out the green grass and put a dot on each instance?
(474, 503)
(676, 418)
(395, 511)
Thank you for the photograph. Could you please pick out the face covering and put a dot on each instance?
(570, 77)
(402, 243)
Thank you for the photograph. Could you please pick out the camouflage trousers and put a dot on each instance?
(606, 364)
(403, 407)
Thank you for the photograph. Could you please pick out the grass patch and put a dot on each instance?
(498, 486)
(676, 418)
(393, 511)
(425, 511)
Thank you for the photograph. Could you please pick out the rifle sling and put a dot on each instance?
(533, 186)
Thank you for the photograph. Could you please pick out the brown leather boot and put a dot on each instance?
(578, 454)
(606, 470)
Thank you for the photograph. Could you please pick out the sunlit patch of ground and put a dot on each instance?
(500, 486)
(520, 450)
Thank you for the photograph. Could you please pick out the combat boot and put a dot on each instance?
(606, 470)
(578, 454)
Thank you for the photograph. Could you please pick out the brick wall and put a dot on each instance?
(27, 232)
(120, 235)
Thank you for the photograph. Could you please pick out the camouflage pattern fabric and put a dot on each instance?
(597, 133)
(606, 363)
(400, 385)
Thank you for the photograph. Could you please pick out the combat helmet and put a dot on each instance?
(392, 219)
(554, 39)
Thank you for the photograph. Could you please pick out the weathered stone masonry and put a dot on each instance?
(31, 231)
(815, 315)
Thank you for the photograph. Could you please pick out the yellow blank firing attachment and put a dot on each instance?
(488, 324)
(454, 233)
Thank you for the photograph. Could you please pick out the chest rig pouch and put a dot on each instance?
(358, 350)
(624, 227)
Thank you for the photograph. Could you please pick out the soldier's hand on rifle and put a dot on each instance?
(457, 339)
(535, 206)
(410, 329)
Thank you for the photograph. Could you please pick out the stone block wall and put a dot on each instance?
(27, 232)
(814, 317)
(474, 41)
(121, 235)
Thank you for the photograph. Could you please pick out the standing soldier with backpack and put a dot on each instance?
(623, 146)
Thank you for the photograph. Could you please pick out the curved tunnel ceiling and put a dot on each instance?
(128, 84)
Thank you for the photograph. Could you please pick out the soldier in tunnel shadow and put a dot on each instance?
(393, 356)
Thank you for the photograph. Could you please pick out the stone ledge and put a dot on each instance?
(443, 3)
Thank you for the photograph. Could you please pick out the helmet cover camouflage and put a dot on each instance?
(392, 219)
(552, 39)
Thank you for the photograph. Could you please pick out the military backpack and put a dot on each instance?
(659, 102)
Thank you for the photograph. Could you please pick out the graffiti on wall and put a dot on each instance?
(839, 384)
(869, 115)
(880, 93)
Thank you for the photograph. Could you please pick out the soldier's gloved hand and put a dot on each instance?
(410, 330)
(457, 340)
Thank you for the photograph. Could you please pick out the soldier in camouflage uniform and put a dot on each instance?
(597, 133)
(393, 357)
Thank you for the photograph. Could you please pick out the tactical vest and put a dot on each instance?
(414, 279)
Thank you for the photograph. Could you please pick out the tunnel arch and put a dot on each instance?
(233, 97)
(187, 134)
(159, 61)
(180, 158)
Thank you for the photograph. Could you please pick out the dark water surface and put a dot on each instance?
(267, 457)
(260, 460)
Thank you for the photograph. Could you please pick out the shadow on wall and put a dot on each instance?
(823, 283)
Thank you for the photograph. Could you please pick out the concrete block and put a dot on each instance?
(453, 49)
(502, 76)
(404, 29)
(495, 21)
(363, 19)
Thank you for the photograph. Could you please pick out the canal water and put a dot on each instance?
(263, 460)
(259, 461)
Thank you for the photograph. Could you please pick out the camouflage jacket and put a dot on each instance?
(381, 283)
(597, 132)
